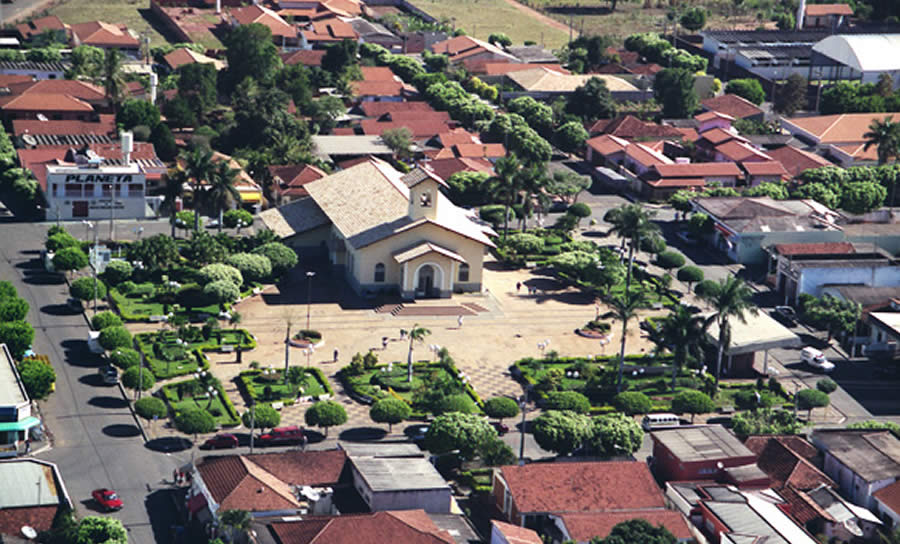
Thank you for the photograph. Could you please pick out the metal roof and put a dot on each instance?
(12, 393)
(29, 65)
(777, 37)
(756, 333)
(701, 443)
(873, 455)
(400, 449)
(740, 518)
(350, 145)
(398, 474)
(26, 483)
(863, 52)
(74, 140)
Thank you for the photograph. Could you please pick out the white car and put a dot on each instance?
(816, 359)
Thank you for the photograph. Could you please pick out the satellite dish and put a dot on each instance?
(29, 532)
(29, 139)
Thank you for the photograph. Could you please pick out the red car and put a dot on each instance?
(221, 441)
(107, 499)
(280, 436)
(500, 427)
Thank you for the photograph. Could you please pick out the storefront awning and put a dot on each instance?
(725, 232)
(251, 198)
(22, 425)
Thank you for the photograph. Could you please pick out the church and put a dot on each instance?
(387, 232)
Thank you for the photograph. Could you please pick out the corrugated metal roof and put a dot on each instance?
(11, 391)
(702, 443)
(406, 474)
(27, 483)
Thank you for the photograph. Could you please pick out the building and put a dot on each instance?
(386, 231)
(306, 57)
(68, 133)
(796, 160)
(860, 461)
(884, 331)
(342, 147)
(185, 55)
(400, 483)
(505, 533)
(95, 192)
(583, 528)
(857, 57)
(630, 127)
(284, 34)
(35, 27)
(408, 527)
(697, 452)
(376, 33)
(444, 168)
(35, 70)
(467, 48)
(15, 408)
(755, 333)
(887, 504)
(105, 36)
(756, 172)
(765, 53)
(745, 226)
(32, 492)
(547, 84)
(289, 180)
(840, 136)
(735, 106)
(829, 16)
(663, 180)
(321, 33)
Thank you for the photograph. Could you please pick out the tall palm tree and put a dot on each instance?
(198, 164)
(624, 308)
(222, 192)
(416, 334)
(237, 520)
(113, 80)
(683, 333)
(885, 135)
(172, 191)
(533, 180)
(507, 181)
(730, 300)
(632, 223)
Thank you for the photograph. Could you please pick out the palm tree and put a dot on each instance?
(730, 300)
(113, 81)
(237, 520)
(234, 319)
(683, 333)
(221, 191)
(624, 308)
(416, 334)
(198, 164)
(532, 181)
(632, 223)
(507, 181)
(172, 191)
(885, 135)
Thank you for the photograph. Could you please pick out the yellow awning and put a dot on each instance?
(251, 197)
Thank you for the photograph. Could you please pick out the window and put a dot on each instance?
(379, 273)
(107, 189)
(88, 189)
(73, 189)
(425, 199)
(463, 272)
(135, 188)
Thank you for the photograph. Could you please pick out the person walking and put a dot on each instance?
(518, 286)
(335, 355)
(384, 342)
(459, 322)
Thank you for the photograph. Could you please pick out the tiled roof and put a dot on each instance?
(582, 487)
(698, 169)
(857, 152)
(733, 105)
(607, 144)
(377, 109)
(184, 55)
(100, 34)
(331, 29)
(37, 26)
(376, 88)
(821, 248)
(406, 527)
(837, 129)
(710, 115)
(630, 127)
(425, 248)
(646, 156)
(39, 518)
(406, 116)
(475, 151)
(797, 160)
(802, 508)
(717, 136)
(255, 13)
(890, 496)
(515, 534)
(818, 10)
(106, 125)
(456, 136)
(9, 79)
(584, 527)
(377, 73)
(460, 47)
(293, 218)
(419, 129)
(765, 168)
(78, 89)
(676, 182)
(444, 168)
(501, 68)
(40, 103)
(784, 466)
(540, 79)
(306, 57)
(737, 151)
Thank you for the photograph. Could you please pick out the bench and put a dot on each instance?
(278, 405)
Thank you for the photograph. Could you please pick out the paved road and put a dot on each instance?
(20, 9)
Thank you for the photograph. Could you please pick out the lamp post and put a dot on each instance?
(309, 351)
(87, 227)
(309, 276)
(252, 422)
(523, 403)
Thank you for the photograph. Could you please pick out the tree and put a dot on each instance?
(567, 184)
(682, 332)
(150, 407)
(773, 190)
(809, 399)
(105, 319)
(197, 88)
(87, 289)
(117, 271)
(220, 271)
(69, 259)
(615, 434)
(496, 453)
(124, 358)
(281, 256)
(237, 520)
(592, 101)
(416, 334)
(459, 402)
(784, 21)
(692, 402)
(253, 267)
(172, 191)
(506, 178)
(13, 309)
(832, 314)
(238, 218)
(632, 402)
(459, 432)
(693, 19)
(136, 112)
(325, 414)
(100, 530)
(748, 88)
(821, 193)
(115, 337)
(163, 142)
(221, 292)
(624, 309)
(670, 260)
(192, 419)
(499, 38)
(501, 407)
(222, 192)
(38, 378)
(390, 411)
(674, 89)
(178, 113)
(18, 336)
(568, 401)
(263, 417)
(561, 432)
(636, 531)
(339, 57)
(399, 140)
(137, 378)
(87, 61)
(730, 300)
(690, 275)
(706, 289)
(198, 164)
(60, 240)
(113, 79)
(826, 385)
(631, 223)
(250, 53)
(570, 136)
(862, 197)
(579, 210)
(791, 95)
(884, 134)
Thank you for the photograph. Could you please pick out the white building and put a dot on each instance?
(860, 461)
(15, 407)
(400, 484)
(860, 57)
(96, 192)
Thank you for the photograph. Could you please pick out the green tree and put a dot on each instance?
(115, 337)
(238, 218)
(507, 179)
(615, 434)
(884, 134)
(238, 521)
(862, 197)
(100, 530)
(172, 191)
(136, 112)
(124, 358)
(282, 257)
(192, 419)
(339, 57)
(105, 319)
(674, 89)
(150, 407)
(325, 414)
(117, 271)
(199, 166)
(499, 38)
(501, 407)
(197, 88)
(456, 431)
(692, 402)
(821, 193)
(164, 142)
(221, 292)
(459, 402)
(495, 453)
(832, 314)
(264, 417)
(137, 378)
(784, 20)
(748, 88)
(592, 101)
(561, 432)
(87, 288)
(636, 531)
(827, 386)
(18, 336)
(390, 411)
(250, 53)
(730, 300)
(38, 378)
(87, 61)
(631, 223)
(579, 210)
(683, 334)
(632, 402)
(220, 271)
(791, 95)
(693, 18)
(70, 259)
(567, 184)
(13, 309)
(690, 275)
(253, 267)
(808, 399)
(669, 260)
(773, 190)
(61, 240)
(624, 308)
(399, 141)
(222, 192)
(416, 334)
(113, 77)
(568, 401)
(570, 136)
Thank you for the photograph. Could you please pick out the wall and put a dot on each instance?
(668, 467)
(852, 486)
(887, 242)
(886, 513)
(812, 279)
(36, 74)
(310, 240)
(750, 246)
(432, 500)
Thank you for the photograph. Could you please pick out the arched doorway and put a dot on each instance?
(426, 280)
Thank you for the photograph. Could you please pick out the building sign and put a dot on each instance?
(105, 204)
(100, 178)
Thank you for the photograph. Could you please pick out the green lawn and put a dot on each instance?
(378, 383)
(139, 307)
(255, 383)
(168, 359)
(129, 12)
(179, 398)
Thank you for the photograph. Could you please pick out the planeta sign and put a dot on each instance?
(99, 178)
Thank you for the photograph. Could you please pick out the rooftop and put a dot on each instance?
(890, 496)
(398, 474)
(541, 79)
(27, 482)
(584, 527)
(101, 34)
(386, 449)
(821, 248)
(406, 527)
(697, 169)
(294, 217)
(797, 160)
(755, 333)
(306, 57)
(515, 534)
(12, 392)
(872, 455)
(862, 52)
(350, 145)
(784, 465)
(765, 168)
(731, 104)
(836, 129)
(630, 127)
(701, 443)
(814, 10)
(867, 296)
(758, 515)
(532, 54)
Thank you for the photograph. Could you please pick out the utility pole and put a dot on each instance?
(252, 422)
(522, 406)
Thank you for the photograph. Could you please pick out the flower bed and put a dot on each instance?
(181, 395)
(307, 382)
(142, 304)
(168, 358)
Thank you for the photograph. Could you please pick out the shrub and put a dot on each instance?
(221, 291)
(690, 274)
(826, 385)
(752, 400)
(104, 320)
(38, 378)
(195, 420)
(748, 88)
(18, 336)
(232, 217)
(124, 358)
(692, 402)
(526, 244)
(127, 287)
(148, 407)
(117, 271)
(571, 401)
(670, 260)
(70, 258)
(219, 271)
(706, 288)
(281, 256)
(88, 288)
(501, 407)
(61, 240)
(115, 337)
(13, 309)
(253, 267)
(453, 403)
(632, 402)
(136, 377)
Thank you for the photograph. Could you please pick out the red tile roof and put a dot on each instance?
(106, 125)
(78, 89)
(797, 160)
(818, 248)
(12, 79)
(330, 30)
(37, 160)
(419, 129)
(258, 14)
(698, 169)
(377, 73)
(717, 136)
(40, 518)
(582, 487)
(294, 177)
(733, 105)
(38, 26)
(737, 151)
(113, 151)
(475, 151)
(676, 182)
(710, 115)
(765, 168)
(646, 155)
(801, 507)
(377, 109)
(890, 496)
(310, 57)
(406, 527)
(457, 136)
(584, 527)
(631, 127)
(784, 466)
(607, 144)
(376, 88)
(444, 168)
(421, 116)
(818, 10)
(515, 534)
(44, 103)
(100, 34)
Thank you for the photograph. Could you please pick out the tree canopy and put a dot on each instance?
(674, 89)
(456, 431)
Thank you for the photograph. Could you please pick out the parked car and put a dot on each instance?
(212, 224)
(785, 314)
(107, 499)
(281, 436)
(109, 374)
(417, 432)
(500, 427)
(220, 441)
(687, 237)
(816, 359)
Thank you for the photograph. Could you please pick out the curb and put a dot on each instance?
(133, 413)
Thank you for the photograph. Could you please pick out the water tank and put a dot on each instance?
(127, 142)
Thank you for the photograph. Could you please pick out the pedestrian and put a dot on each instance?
(518, 286)
(175, 476)
(384, 342)
(335, 355)
(303, 442)
(27, 446)
(459, 322)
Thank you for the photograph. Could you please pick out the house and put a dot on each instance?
(387, 231)
(324, 32)
(830, 16)
(738, 151)
(380, 109)
(462, 48)
(495, 72)
(264, 483)
(506, 533)
(342, 147)
(56, 107)
(806, 268)
(378, 84)
(697, 453)
(884, 331)
(426, 127)
(606, 150)
(34, 70)
(82, 90)
(796, 160)
(841, 135)
(15, 408)
(400, 483)
(106, 36)
(860, 461)
(36, 27)
(745, 226)
(583, 528)
(407, 526)
(540, 495)
(370, 32)
(289, 180)
(315, 9)
(887, 504)
(283, 33)
(32, 492)
(735, 106)
(444, 168)
(756, 172)
(46, 132)
(629, 127)
(713, 119)
(85, 191)
(185, 55)
(545, 84)
(663, 180)
(251, 196)
(306, 57)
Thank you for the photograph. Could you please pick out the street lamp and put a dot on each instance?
(88, 226)
(523, 404)
(309, 351)
(309, 276)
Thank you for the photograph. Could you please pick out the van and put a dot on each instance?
(653, 422)
(282, 436)
(816, 359)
